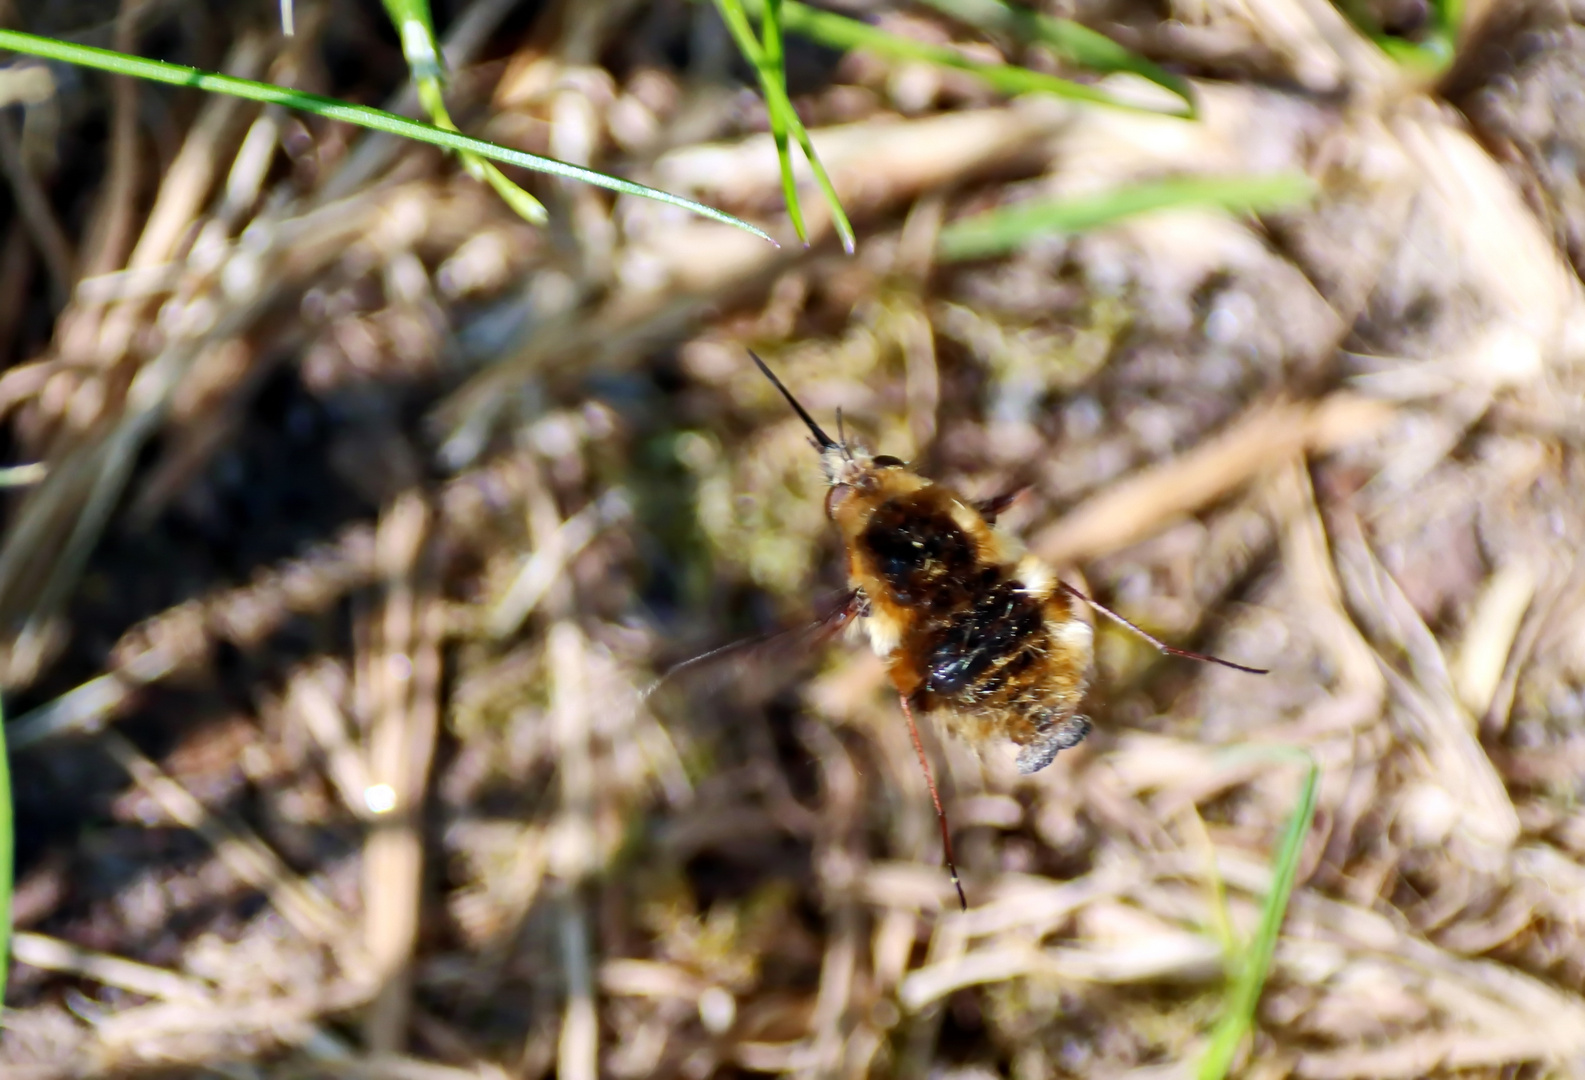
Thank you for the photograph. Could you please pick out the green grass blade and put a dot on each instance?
(768, 68)
(1430, 52)
(1010, 227)
(840, 32)
(7, 853)
(361, 115)
(417, 30)
(1239, 1017)
(1071, 41)
(779, 107)
(775, 65)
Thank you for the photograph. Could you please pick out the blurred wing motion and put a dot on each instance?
(781, 651)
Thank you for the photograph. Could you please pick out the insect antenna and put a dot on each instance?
(826, 442)
(935, 797)
(1157, 642)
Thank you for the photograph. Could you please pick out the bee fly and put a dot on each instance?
(972, 630)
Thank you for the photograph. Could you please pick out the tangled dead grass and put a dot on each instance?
(371, 514)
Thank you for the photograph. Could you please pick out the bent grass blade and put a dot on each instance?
(767, 58)
(416, 29)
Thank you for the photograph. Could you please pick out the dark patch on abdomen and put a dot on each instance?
(975, 652)
(922, 555)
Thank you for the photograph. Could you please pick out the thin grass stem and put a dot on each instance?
(1010, 227)
(361, 115)
(784, 118)
(1069, 40)
(416, 28)
(840, 32)
(1238, 1019)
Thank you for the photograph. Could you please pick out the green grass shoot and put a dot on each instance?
(840, 32)
(1007, 228)
(1069, 40)
(766, 56)
(416, 28)
(332, 109)
(1250, 969)
(1430, 51)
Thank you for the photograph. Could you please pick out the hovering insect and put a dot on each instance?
(972, 629)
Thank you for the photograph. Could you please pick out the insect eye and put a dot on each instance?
(886, 461)
(839, 494)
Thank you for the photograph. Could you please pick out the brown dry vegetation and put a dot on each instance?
(356, 480)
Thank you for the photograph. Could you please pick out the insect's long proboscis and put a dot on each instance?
(826, 442)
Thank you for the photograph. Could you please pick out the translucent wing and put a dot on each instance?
(779, 650)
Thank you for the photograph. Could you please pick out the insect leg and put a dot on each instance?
(855, 605)
(991, 509)
(1157, 642)
(935, 797)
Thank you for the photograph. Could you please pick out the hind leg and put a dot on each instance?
(1051, 741)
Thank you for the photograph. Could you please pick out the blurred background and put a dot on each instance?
(356, 517)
